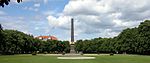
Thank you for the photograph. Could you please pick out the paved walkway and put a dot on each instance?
(72, 54)
(75, 57)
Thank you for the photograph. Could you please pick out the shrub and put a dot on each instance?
(111, 54)
(63, 53)
(45, 52)
(56, 52)
(81, 53)
(34, 53)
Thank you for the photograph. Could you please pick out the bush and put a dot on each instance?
(45, 52)
(81, 53)
(8, 53)
(56, 52)
(34, 53)
(63, 53)
(111, 54)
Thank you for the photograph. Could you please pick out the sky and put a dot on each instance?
(92, 18)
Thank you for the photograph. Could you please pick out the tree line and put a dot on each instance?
(16, 42)
(130, 41)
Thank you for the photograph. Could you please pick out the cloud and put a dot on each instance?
(93, 18)
(2, 13)
(28, 26)
(61, 22)
(106, 18)
(132, 10)
(37, 5)
(45, 1)
(94, 7)
(51, 13)
(31, 9)
(32, 6)
(16, 23)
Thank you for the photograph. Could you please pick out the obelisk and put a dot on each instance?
(72, 51)
(72, 31)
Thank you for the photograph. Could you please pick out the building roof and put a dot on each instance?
(47, 37)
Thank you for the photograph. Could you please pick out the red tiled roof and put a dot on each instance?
(47, 37)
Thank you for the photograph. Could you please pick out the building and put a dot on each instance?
(47, 38)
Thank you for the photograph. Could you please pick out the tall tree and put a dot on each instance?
(1, 37)
(130, 41)
(1, 28)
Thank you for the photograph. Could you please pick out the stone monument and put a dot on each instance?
(72, 31)
(72, 37)
(73, 54)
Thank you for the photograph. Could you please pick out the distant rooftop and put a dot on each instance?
(47, 37)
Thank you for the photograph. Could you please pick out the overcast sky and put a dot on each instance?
(93, 18)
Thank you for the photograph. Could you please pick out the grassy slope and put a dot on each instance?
(52, 59)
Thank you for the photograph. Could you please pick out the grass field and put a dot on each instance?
(53, 59)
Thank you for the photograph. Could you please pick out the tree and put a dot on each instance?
(144, 37)
(6, 2)
(16, 42)
(1, 38)
(1, 28)
(130, 41)
(66, 46)
(134, 40)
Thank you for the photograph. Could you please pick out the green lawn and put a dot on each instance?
(53, 59)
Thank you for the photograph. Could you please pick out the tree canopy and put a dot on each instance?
(6, 2)
(16, 42)
(130, 41)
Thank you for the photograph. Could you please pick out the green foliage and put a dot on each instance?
(34, 53)
(6, 2)
(130, 41)
(111, 54)
(1, 28)
(16, 42)
(97, 45)
(54, 45)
